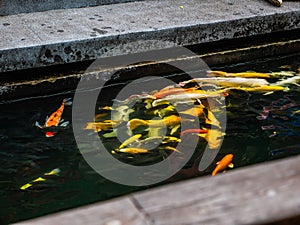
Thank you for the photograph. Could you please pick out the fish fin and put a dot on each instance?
(218, 163)
(64, 124)
(268, 93)
(67, 101)
(56, 171)
(231, 165)
(49, 134)
(37, 124)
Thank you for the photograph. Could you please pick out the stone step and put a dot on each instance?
(10, 7)
(73, 35)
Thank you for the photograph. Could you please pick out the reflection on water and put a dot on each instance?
(259, 128)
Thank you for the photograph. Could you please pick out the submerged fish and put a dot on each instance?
(98, 126)
(196, 131)
(225, 162)
(167, 121)
(241, 74)
(130, 140)
(133, 150)
(188, 96)
(268, 88)
(229, 81)
(40, 179)
(55, 119)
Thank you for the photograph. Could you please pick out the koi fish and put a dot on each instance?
(229, 81)
(153, 142)
(197, 131)
(225, 162)
(269, 88)
(167, 121)
(55, 119)
(98, 126)
(242, 74)
(130, 140)
(41, 179)
(166, 92)
(133, 151)
(197, 94)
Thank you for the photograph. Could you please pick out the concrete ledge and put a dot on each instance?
(259, 194)
(72, 35)
(9, 7)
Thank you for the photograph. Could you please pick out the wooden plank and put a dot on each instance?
(253, 195)
(115, 212)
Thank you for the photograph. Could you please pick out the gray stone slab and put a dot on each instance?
(72, 35)
(10, 7)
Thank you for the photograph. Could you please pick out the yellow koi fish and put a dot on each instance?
(269, 88)
(242, 74)
(133, 151)
(225, 162)
(167, 121)
(130, 140)
(98, 126)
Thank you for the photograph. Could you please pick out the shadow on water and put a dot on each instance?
(27, 154)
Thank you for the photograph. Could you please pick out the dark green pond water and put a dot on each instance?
(27, 154)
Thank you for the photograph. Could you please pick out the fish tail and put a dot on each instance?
(56, 171)
(67, 101)
(37, 124)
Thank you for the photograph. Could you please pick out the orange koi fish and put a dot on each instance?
(54, 119)
(225, 162)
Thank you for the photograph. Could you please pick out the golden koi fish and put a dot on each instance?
(269, 88)
(133, 151)
(242, 74)
(98, 126)
(130, 140)
(167, 121)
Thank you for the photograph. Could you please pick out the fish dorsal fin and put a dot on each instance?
(218, 163)
(231, 165)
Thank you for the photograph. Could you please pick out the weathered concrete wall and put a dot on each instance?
(72, 35)
(9, 7)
